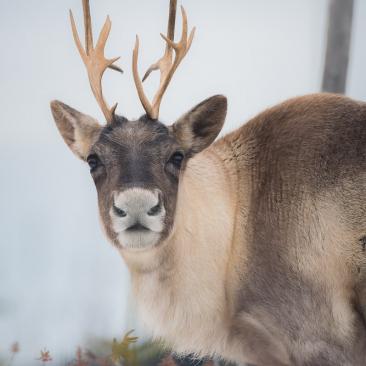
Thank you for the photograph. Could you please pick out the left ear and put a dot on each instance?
(199, 127)
(78, 130)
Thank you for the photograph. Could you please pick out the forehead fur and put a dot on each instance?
(141, 132)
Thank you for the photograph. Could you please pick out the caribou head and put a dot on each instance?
(137, 164)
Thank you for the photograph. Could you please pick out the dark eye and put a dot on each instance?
(177, 159)
(93, 162)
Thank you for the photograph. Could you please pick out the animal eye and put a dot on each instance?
(93, 162)
(177, 159)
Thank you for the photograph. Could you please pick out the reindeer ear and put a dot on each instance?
(78, 130)
(199, 127)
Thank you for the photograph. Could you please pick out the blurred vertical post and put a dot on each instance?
(338, 45)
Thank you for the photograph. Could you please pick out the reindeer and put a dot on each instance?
(250, 248)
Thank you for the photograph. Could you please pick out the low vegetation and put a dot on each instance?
(123, 352)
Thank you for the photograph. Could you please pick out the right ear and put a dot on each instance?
(199, 127)
(79, 130)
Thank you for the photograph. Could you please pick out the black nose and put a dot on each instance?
(154, 210)
(119, 212)
(157, 208)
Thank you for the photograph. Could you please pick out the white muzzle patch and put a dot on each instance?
(137, 217)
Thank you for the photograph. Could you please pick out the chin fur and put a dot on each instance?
(138, 240)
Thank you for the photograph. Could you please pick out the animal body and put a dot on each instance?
(250, 248)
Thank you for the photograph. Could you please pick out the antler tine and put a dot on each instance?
(170, 33)
(140, 90)
(171, 21)
(87, 27)
(94, 59)
(165, 64)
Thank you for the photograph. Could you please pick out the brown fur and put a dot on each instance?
(262, 261)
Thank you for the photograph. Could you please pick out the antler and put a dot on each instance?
(165, 64)
(94, 59)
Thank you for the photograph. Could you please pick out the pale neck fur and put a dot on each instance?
(180, 285)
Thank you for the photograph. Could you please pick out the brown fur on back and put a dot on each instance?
(304, 162)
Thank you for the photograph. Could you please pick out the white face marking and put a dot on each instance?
(136, 204)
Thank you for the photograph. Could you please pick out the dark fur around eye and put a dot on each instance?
(93, 162)
(176, 159)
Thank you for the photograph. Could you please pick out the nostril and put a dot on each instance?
(119, 212)
(154, 210)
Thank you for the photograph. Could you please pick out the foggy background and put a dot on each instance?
(61, 282)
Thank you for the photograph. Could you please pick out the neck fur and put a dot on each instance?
(181, 283)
